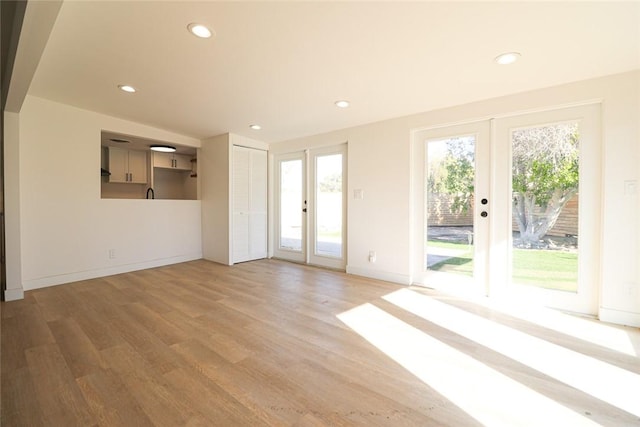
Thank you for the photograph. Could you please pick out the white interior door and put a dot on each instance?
(311, 206)
(511, 207)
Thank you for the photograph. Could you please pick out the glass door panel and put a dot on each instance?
(449, 208)
(328, 210)
(291, 227)
(544, 182)
(290, 201)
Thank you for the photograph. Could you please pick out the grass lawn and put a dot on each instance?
(544, 268)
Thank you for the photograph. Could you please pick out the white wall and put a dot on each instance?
(214, 159)
(379, 163)
(66, 229)
(12, 206)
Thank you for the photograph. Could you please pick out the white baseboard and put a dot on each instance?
(387, 276)
(13, 294)
(44, 282)
(619, 317)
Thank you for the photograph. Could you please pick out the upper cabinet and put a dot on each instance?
(172, 161)
(127, 166)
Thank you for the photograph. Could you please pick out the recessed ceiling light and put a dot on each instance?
(163, 148)
(342, 104)
(199, 30)
(127, 88)
(507, 58)
(255, 127)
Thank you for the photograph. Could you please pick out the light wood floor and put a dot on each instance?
(260, 343)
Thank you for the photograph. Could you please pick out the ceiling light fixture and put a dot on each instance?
(507, 58)
(127, 88)
(199, 30)
(163, 148)
(255, 127)
(342, 104)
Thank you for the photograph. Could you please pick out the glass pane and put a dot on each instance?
(329, 205)
(291, 205)
(449, 197)
(545, 176)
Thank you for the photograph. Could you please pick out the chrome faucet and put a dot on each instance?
(153, 194)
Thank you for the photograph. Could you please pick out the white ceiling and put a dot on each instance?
(283, 64)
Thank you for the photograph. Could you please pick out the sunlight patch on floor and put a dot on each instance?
(611, 337)
(484, 393)
(607, 382)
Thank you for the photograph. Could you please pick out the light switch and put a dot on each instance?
(358, 194)
(630, 187)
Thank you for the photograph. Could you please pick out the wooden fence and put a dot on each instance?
(439, 214)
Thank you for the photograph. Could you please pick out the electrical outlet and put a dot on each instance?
(112, 253)
(372, 256)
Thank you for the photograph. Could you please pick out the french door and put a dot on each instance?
(311, 206)
(511, 207)
(452, 207)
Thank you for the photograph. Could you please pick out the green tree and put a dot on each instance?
(455, 174)
(545, 175)
(545, 165)
(331, 183)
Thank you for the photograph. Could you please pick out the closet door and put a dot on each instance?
(249, 222)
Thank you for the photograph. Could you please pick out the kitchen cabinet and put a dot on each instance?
(172, 161)
(127, 166)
